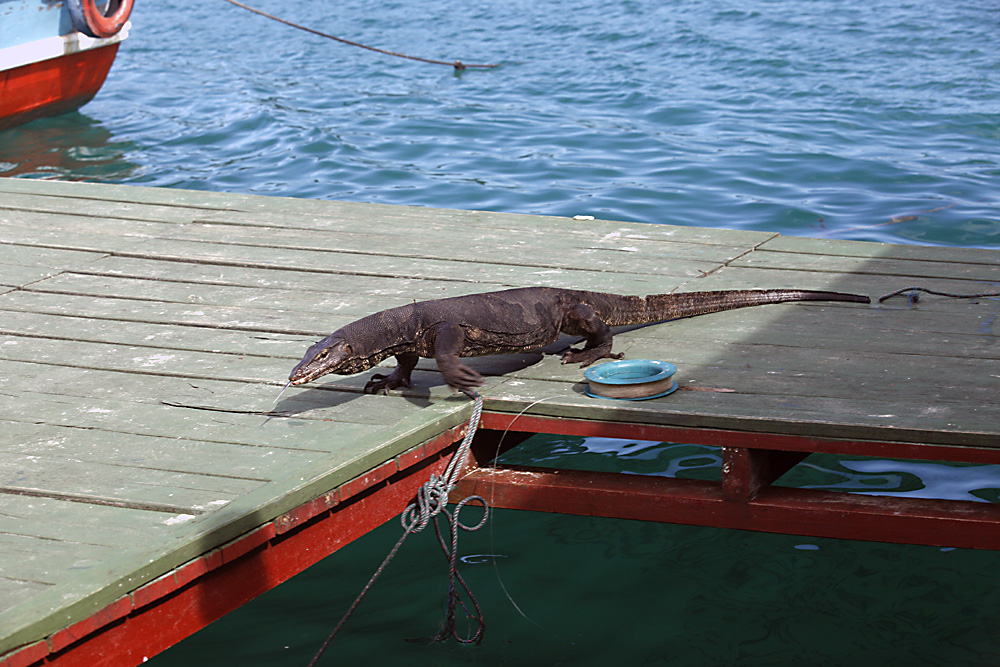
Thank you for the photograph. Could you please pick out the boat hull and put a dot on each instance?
(47, 66)
(53, 86)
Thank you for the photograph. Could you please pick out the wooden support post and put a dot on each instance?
(746, 471)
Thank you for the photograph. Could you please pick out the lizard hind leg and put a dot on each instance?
(581, 320)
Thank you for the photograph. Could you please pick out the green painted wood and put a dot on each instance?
(15, 275)
(824, 246)
(363, 264)
(83, 595)
(15, 591)
(24, 265)
(43, 561)
(614, 251)
(157, 452)
(98, 390)
(48, 235)
(161, 336)
(55, 476)
(888, 267)
(781, 414)
(137, 203)
(151, 327)
(332, 298)
(77, 522)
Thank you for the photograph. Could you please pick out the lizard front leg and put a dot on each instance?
(400, 376)
(449, 339)
(581, 320)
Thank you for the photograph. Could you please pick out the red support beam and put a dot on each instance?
(776, 510)
(502, 421)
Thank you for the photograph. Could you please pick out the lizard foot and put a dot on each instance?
(460, 377)
(587, 356)
(379, 383)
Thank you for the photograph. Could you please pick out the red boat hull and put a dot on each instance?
(53, 86)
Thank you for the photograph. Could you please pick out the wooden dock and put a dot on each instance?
(145, 332)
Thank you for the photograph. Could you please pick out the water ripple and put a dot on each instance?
(872, 121)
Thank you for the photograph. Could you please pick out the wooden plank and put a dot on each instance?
(967, 326)
(190, 424)
(343, 302)
(116, 390)
(452, 242)
(793, 415)
(824, 246)
(157, 452)
(15, 275)
(363, 264)
(349, 285)
(171, 607)
(130, 202)
(23, 265)
(16, 591)
(195, 315)
(145, 360)
(122, 485)
(20, 326)
(84, 595)
(73, 239)
(283, 279)
(47, 561)
(890, 267)
(90, 523)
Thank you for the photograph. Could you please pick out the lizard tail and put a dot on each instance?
(661, 307)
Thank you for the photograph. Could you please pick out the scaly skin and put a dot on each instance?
(509, 321)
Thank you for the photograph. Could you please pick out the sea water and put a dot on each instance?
(875, 120)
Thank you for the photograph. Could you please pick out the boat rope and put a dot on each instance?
(914, 296)
(457, 64)
(431, 500)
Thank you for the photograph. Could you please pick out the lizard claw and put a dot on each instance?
(381, 384)
(586, 357)
(461, 378)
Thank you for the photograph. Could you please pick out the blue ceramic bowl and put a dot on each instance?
(631, 379)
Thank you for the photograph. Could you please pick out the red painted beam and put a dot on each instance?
(728, 438)
(166, 610)
(775, 510)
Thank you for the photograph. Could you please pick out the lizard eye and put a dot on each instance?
(321, 355)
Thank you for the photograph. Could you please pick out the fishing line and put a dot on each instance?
(915, 297)
(496, 568)
(457, 64)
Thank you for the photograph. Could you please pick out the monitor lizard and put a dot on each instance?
(509, 321)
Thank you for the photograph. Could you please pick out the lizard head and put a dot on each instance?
(330, 355)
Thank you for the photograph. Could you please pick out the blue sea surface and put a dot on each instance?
(875, 120)
(871, 120)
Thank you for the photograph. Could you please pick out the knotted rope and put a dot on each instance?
(431, 500)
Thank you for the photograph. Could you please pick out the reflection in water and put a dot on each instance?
(70, 147)
(913, 479)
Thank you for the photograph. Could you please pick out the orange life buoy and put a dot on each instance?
(90, 20)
